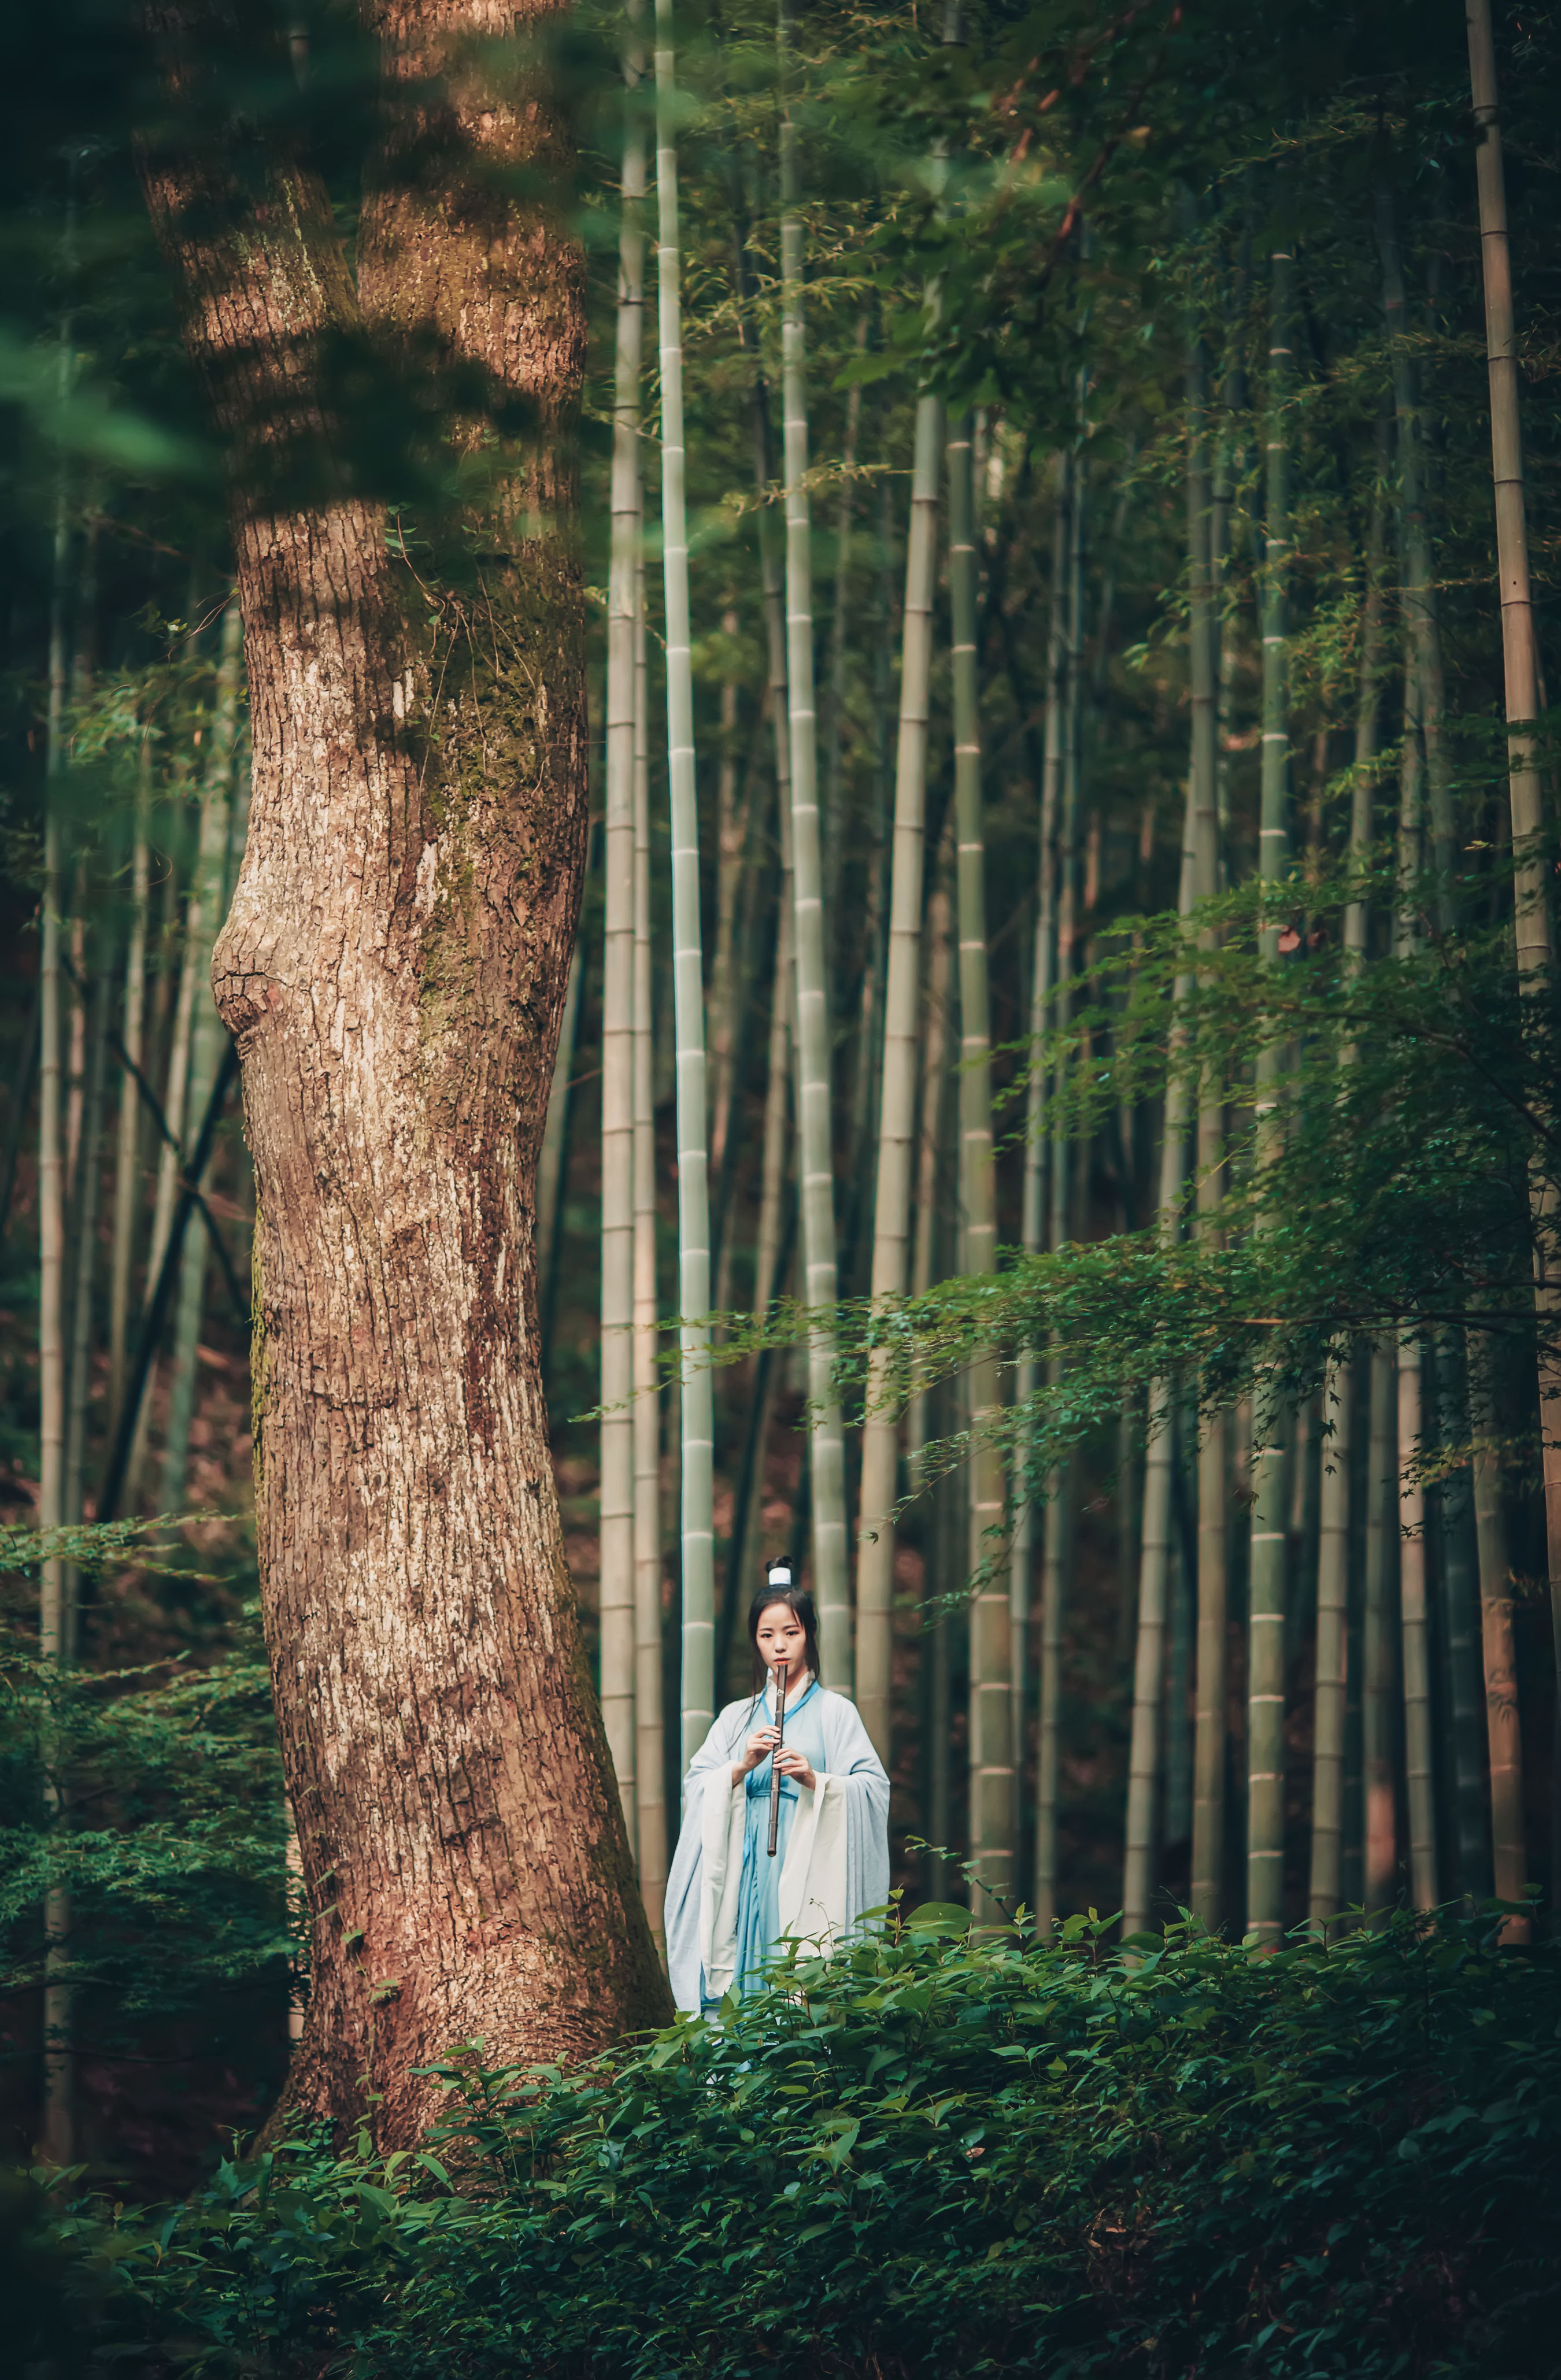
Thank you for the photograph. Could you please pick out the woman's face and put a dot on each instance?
(780, 1638)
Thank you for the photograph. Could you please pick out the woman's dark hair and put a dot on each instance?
(796, 1599)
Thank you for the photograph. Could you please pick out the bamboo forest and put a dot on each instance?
(780, 1193)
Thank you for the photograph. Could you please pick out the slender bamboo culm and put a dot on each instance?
(650, 1760)
(992, 1810)
(890, 1236)
(1265, 1620)
(696, 1401)
(1149, 1688)
(815, 1094)
(53, 1630)
(618, 1501)
(1032, 1218)
(1520, 654)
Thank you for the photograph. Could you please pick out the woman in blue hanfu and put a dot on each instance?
(730, 1906)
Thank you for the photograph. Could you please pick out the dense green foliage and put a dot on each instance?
(1004, 2157)
(153, 1795)
(1414, 1110)
(936, 2155)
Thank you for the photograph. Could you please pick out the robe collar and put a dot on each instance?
(794, 1700)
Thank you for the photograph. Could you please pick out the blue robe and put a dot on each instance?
(758, 1926)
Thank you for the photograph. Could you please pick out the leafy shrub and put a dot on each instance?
(150, 1795)
(938, 2154)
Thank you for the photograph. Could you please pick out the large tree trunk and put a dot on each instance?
(394, 971)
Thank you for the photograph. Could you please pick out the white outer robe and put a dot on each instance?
(836, 1862)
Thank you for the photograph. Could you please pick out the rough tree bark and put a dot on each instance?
(394, 971)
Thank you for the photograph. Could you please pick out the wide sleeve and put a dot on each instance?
(837, 1863)
(866, 1788)
(710, 1767)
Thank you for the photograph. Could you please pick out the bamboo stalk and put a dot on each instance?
(890, 1236)
(650, 1759)
(1209, 501)
(937, 938)
(1414, 1622)
(867, 1057)
(1333, 1590)
(1413, 1617)
(814, 1091)
(936, 1637)
(1376, 1717)
(553, 1161)
(834, 818)
(1457, 1575)
(1503, 1720)
(1266, 1665)
(1332, 1675)
(207, 1036)
(177, 1081)
(1149, 1664)
(1210, 1683)
(79, 1370)
(992, 1810)
(1520, 655)
(777, 1095)
(58, 2126)
(731, 844)
(160, 1292)
(619, 1651)
(1021, 1559)
(1055, 1529)
(1181, 1587)
(127, 1151)
(1419, 572)
(696, 1405)
(777, 1100)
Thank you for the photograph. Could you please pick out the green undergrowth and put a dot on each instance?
(936, 2156)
